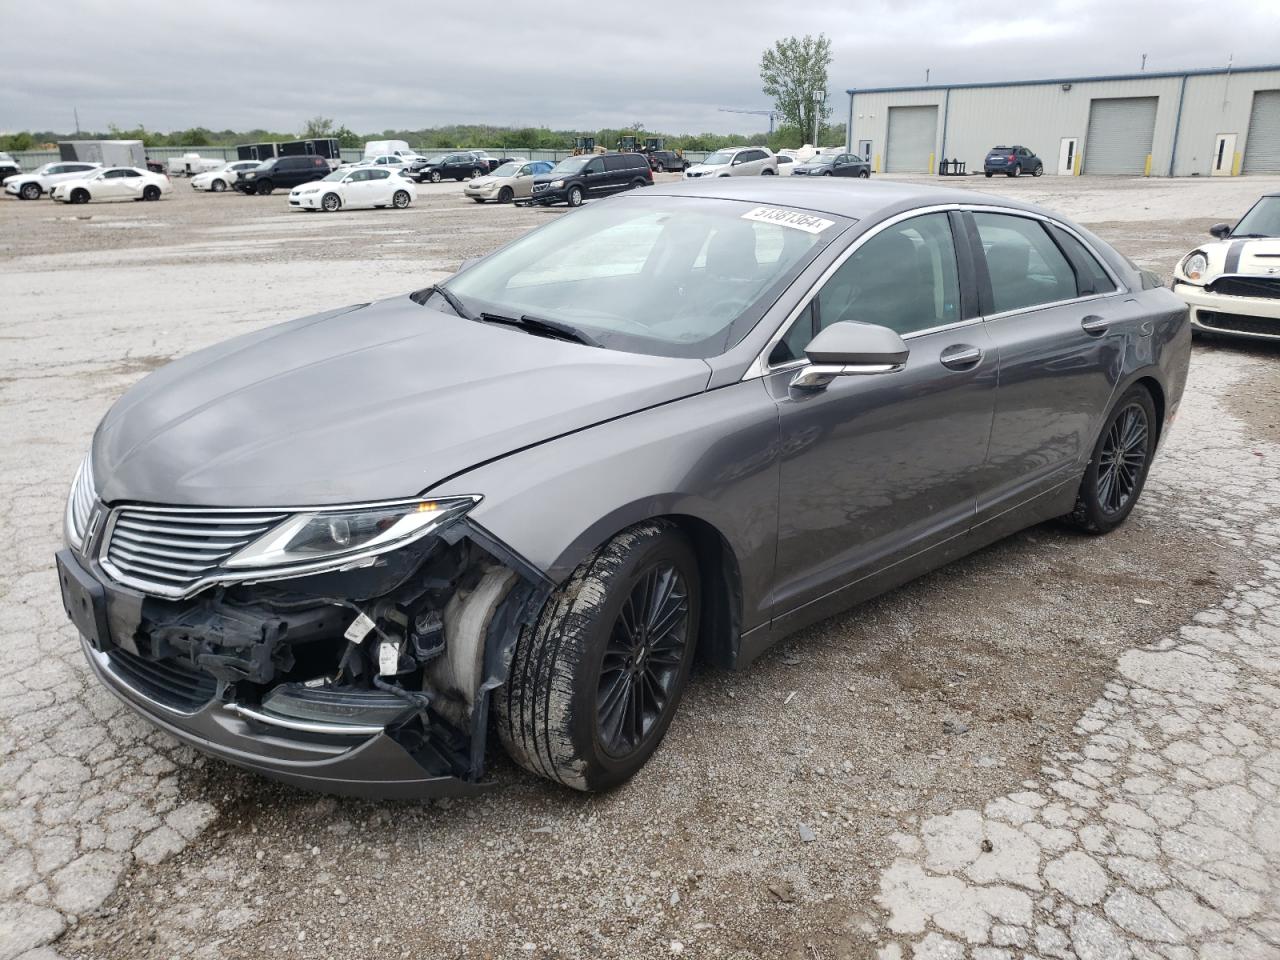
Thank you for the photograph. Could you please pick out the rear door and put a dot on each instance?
(1057, 319)
(131, 183)
(880, 467)
(381, 186)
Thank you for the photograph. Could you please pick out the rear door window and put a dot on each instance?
(1025, 266)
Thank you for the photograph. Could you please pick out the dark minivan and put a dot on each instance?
(286, 172)
(576, 178)
(1012, 161)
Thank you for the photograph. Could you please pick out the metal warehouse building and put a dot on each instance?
(1206, 122)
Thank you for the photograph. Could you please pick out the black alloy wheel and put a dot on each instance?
(1122, 460)
(641, 670)
(151, 193)
(1117, 470)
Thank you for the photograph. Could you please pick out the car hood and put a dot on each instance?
(704, 168)
(489, 181)
(1256, 256)
(370, 402)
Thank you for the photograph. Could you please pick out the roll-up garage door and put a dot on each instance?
(1120, 134)
(1262, 149)
(911, 137)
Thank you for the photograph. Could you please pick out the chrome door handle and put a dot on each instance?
(1094, 324)
(960, 357)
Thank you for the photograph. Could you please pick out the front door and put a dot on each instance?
(1067, 156)
(876, 468)
(1224, 155)
(1056, 319)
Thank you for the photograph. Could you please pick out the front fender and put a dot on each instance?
(712, 456)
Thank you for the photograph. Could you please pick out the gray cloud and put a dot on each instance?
(375, 66)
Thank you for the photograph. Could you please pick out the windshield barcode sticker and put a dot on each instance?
(789, 218)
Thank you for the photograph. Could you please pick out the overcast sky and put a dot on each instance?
(577, 64)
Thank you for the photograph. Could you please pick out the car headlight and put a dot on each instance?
(1195, 266)
(80, 504)
(557, 183)
(250, 176)
(345, 535)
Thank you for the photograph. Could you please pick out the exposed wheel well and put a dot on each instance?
(722, 590)
(1153, 387)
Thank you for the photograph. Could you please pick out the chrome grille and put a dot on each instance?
(171, 550)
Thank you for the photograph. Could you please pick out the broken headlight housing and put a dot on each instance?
(338, 537)
(80, 505)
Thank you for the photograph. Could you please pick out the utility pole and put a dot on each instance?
(819, 98)
(76, 114)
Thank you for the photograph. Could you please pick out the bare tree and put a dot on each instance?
(318, 128)
(792, 71)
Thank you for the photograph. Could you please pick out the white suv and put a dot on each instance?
(736, 162)
(29, 186)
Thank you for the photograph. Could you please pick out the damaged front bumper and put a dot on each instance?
(268, 677)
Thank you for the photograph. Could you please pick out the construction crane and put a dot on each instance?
(771, 114)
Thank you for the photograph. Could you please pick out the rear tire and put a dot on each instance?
(151, 192)
(1016, 171)
(595, 682)
(400, 199)
(864, 174)
(989, 174)
(1119, 464)
(767, 172)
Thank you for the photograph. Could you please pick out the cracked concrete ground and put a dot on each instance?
(1117, 793)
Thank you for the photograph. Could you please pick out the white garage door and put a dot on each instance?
(911, 137)
(1120, 134)
(1262, 149)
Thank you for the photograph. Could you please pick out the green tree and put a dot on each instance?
(347, 138)
(318, 128)
(791, 72)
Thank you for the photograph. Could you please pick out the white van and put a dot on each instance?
(378, 148)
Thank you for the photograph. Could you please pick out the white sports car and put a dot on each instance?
(114, 183)
(222, 178)
(29, 186)
(1233, 285)
(355, 187)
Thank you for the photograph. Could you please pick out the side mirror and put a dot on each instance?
(850, 349)
(1220, 230)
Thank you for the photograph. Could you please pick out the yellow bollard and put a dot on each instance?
(1235, 165)
(875, 167)
(932, 168)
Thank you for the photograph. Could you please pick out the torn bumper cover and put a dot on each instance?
(372, 682)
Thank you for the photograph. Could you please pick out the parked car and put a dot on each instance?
(8, 167)
(391, 160)
(511, 181)
(786, 164)
(456, 166)
(736, 162)
(282, 172)
(666, 161)
(678, 422)
(355, 187)
(1012, 161)
(113, 183)
(30, 186)
(575, 179)
(1232, 286)
(833, 165)
(222, 178)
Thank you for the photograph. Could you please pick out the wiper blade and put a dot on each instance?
(449, 297)
(543, 327)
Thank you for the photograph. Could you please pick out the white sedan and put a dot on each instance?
(355, 187)
(223, 177)
(114, 183)
(29, 186)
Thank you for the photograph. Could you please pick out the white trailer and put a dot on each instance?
(109, 153)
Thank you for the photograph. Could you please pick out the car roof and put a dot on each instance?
(867, 199)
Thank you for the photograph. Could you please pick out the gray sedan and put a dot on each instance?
(834, 165)
(685, 421)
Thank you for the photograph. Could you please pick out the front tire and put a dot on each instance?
(80, 196)
(574, 198)
(595, 682)
(264, 188)
(1118, 467)
(506, 195)
(1038, 171)
(218, 186)
(434, 176)
(30, 191)
(330, 202)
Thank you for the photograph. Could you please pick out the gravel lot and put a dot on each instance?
(1115, 791)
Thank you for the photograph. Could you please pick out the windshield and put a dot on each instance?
(1263, 219)
(677, 277)
(718, 158)
(819, 160)
(570, 164)
(336, 176)
(507, 170)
